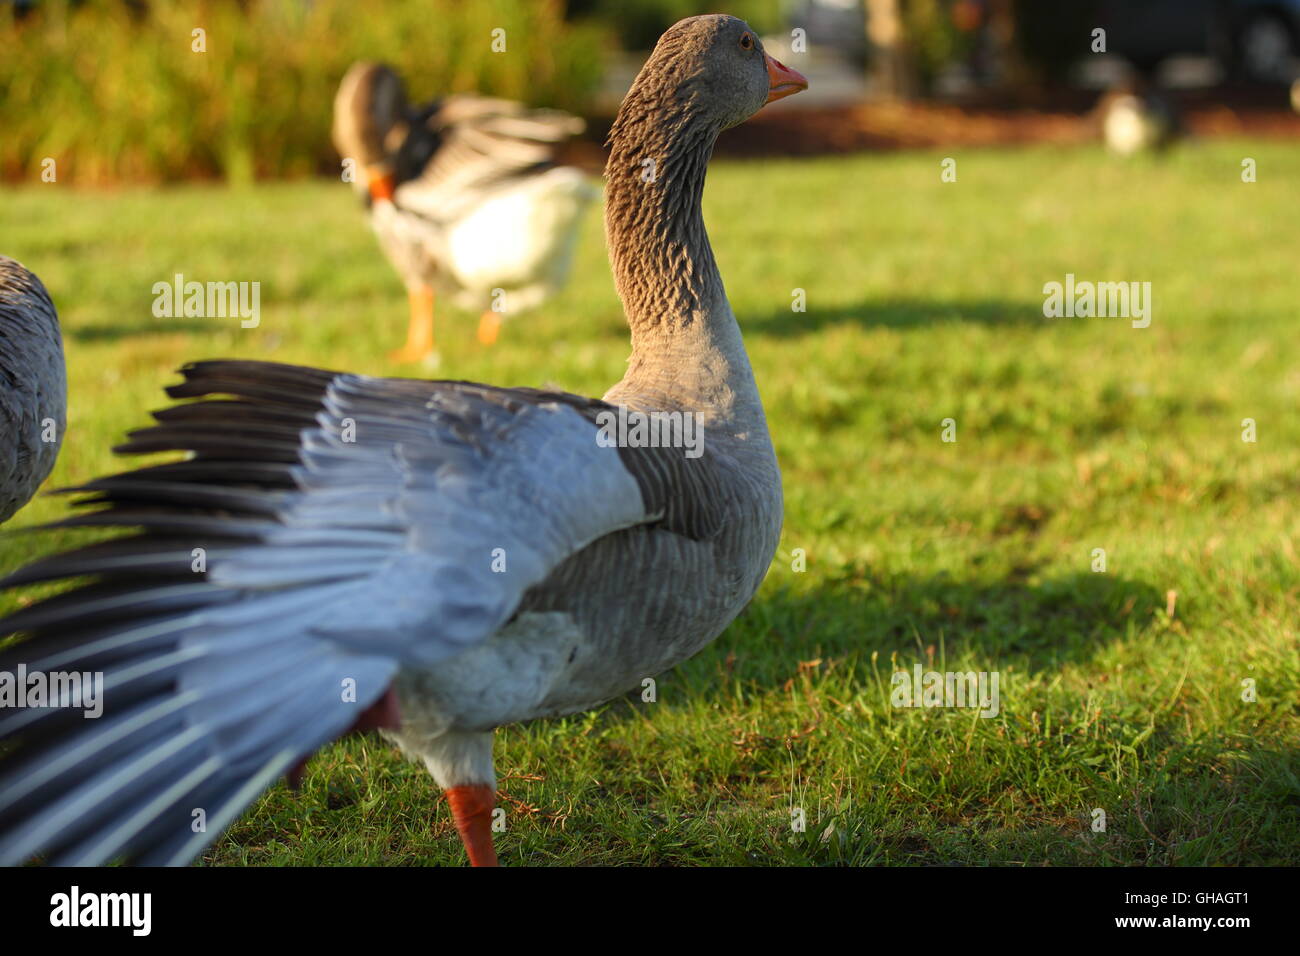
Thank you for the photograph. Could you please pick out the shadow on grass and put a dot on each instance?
(126, 330)
(897, 314)
(1039, 625)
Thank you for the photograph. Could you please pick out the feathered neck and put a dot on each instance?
(663, 265)
(687, 350)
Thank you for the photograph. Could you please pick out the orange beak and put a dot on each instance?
(784, 81)
(381, 184)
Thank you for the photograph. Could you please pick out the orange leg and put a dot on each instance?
(419, 333)
(471, 808)
(489, 326)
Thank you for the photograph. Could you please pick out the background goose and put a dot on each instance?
(434, 558)
(465, 196)
(33, 386)
(1137, 117)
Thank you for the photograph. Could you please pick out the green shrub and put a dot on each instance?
(112, 92)
(638, 23)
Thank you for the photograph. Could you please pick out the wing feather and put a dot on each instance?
(347, 527)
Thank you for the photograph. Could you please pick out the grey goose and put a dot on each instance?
(441, 182)
(33, 386)
(436, 559)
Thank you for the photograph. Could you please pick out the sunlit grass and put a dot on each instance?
(924, 302)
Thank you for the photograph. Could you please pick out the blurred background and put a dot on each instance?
(133, 102)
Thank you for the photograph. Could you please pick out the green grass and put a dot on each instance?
(924, 303)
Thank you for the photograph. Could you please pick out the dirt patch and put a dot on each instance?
(885, 126)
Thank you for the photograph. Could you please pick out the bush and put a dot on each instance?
(639, 23)
(115, 92)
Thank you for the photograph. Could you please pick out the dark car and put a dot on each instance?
(1255, 40)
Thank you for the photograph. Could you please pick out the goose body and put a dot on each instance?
(472, 259)
(1137, 118)
(435, 559)
(465, 196)
(33, 386)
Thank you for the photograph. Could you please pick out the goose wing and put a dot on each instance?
(465, 146)
(325, 530)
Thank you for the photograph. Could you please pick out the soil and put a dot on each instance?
(1063, 118)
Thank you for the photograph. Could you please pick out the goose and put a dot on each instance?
(1136, 117)
(33, 386)
(465, 197)
(435, 559)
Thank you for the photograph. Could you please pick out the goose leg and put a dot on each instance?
(471, 808)
(489, 325)
(419, 333)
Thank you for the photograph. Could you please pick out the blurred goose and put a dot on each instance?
(434, 558)
(465, 197)
(1136, 117)
(33, 386)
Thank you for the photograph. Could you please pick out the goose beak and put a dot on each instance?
(784, 81)
(380, 182)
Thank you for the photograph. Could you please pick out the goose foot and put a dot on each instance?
(471, 808)
(489, 327)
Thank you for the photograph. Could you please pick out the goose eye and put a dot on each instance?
(747, 41)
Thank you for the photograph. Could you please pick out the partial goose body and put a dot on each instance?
(512, 249)
(33, 386)
(466, 197)
(436, 559)
(1138, 118)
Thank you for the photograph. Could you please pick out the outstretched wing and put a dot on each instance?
(325, 530)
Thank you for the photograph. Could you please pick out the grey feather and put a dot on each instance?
(378, 557)
(33, 386)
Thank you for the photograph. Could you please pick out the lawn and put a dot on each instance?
(1120, 690)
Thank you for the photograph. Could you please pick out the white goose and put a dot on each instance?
(465, 197)
(1136, 117)
(435, 558)
(33, 386)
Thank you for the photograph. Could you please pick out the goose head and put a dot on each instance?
(370, 122)
(712, 69)
(706, 74)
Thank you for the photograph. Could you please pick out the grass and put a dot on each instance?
(1120, 691)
